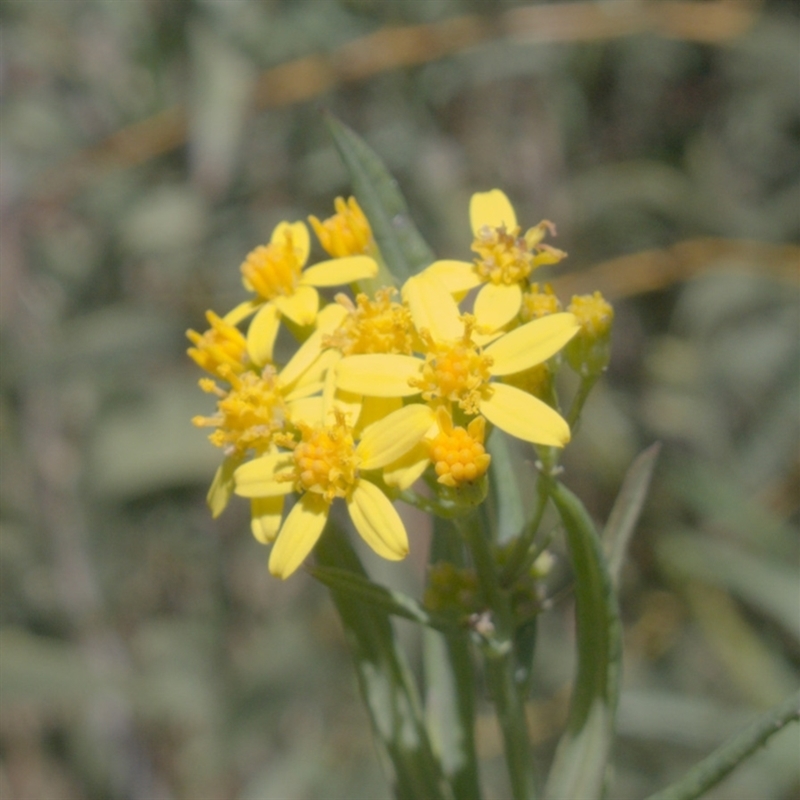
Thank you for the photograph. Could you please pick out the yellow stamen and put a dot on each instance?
(594, 314)
(458, 454)
(373, 326)
(347, 232)
(222, 344)
(506, 256)
(325, 461)
(458, 372)
(538, 303)
(248, 416)
(273, 269)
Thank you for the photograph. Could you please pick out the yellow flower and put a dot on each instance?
(347, 232)
(457, 371)
(283, 286)
(505, 259)
(536, 303)
(589, 352)
(327, 464)
(457, 454)
(222, 345)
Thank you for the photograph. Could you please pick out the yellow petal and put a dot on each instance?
(301, 241)
(242, 311)
(433, 308)
(406, 470)
(330, 317)
(261, 335)
(375, 408)
(458, 276)
(493, 209)
(304, 357)
(306, 409)
(299, 534)
(532, 343)
(221, 488)
(378, 375)
(337, 401)
(301, 307)
(339, 271)
(265, 518)
(257, 478)
(392, 437)
(497, 304)
(524, 416)
(377, 521)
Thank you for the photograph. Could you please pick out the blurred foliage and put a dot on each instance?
(147, 147)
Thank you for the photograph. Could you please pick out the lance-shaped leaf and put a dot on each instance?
(402, 247)
(627, 508)
(711, 770)
(450, 684)
(385, 681)
(580, 762)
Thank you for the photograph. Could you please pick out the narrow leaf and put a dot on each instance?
(402, 247)
(580, 762)
(508, 470)
(385, 681)
(627, 508)
(711, 770)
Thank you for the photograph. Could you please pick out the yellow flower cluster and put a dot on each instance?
(382, 389)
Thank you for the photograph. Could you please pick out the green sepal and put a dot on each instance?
(403, 250)
(579, 767)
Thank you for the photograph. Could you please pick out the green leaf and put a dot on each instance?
(384, 679)
(711, 770)
(450, 685)
(402, 247)
(580, 763)
(627, 508)
(507, 468)
(392, 602)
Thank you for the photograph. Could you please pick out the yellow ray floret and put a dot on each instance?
(347, 232)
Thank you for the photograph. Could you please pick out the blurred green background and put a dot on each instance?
(145, 653)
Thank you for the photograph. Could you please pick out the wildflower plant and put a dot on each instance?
(412, 383)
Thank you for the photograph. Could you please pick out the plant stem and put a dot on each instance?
(499, 655)
(519, 556)
(587, 382)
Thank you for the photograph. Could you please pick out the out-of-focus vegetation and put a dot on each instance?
(145, 653)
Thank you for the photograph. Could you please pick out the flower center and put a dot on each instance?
(326, 461)
(458, 455)
(503, 255)
(373, 326)
(458, 372)
(273, 269)
(248, 416)
(222, 344)
(536, 303)
(347, 232)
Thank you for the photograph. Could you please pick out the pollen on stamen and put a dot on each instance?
(325, 460)
(273, 269)
(458, 454)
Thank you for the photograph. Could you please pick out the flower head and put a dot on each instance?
(327, 464)
(539, 302)
(589, 351)
(455, 370)
(457, 454)
(221, 346)
(347, 232)
(505, 258)
(285, 287)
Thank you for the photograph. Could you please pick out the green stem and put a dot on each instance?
(711, 770)
(519, 556)
(499, 654)
(585, 388)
